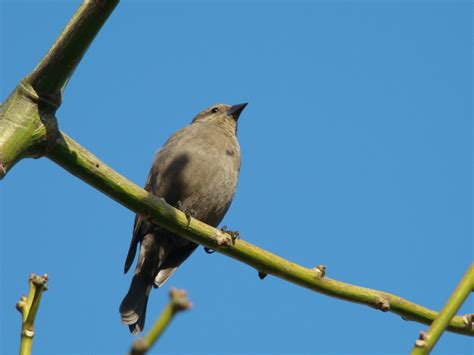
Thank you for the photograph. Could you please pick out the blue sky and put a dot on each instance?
(357, 154)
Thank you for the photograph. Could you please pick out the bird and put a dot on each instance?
(197, 171)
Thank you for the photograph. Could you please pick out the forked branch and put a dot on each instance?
(28, 307)
(27, 122)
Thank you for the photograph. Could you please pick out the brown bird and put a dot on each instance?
(197, 171)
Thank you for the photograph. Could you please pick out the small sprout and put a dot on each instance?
(139, 347)
(179, 299)
(39, 281)
(320, 270)
(20, 305)
(421, 341)
(29, 333)
(469, 321)
(382, 304)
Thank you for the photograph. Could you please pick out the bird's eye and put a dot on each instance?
(215, 109)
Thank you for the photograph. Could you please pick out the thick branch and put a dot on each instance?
(28, 307)
(428, 340)
(54, 70)
(27, 122)
(80, 162)
(178, 302)
(27, 126)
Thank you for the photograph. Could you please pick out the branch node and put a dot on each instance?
(421, 342)
(29, 333)
(179, 300)
(52, 101)
(382, 304)
(139, 347)
(262, 275)
(47, 106)
(320, 270)
(20, 305)
(223, 239)
(469, 321)
(423, 336)
(39, 280)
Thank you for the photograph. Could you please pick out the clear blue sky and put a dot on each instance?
(357, 154)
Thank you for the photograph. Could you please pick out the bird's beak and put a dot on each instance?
(235, 110)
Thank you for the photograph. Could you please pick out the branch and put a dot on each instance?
(178, 302)
(428, 340)
(27, 122)
(52, 73)
(83, 164)
(28, 307)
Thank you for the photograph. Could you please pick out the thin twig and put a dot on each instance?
(178, 302)
(83, 164)
(28, 307)
(427, 340)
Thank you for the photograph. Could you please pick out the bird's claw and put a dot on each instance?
(188, 212)
(222, 238)
(233, 234)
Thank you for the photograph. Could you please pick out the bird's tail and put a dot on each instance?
(133, 306)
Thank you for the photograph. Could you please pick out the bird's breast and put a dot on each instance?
(202, 172)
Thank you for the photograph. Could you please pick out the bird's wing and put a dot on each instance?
(138, 229)
(167, 162)
(174, 258)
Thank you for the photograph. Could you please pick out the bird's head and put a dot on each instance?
(221, 114)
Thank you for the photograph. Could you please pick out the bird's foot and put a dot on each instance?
(222, 238)
(233, 234)
(188, 212)
(262, 275)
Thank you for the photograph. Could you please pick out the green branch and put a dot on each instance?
(28, 307)
(27, 127)
(83, 164)
(27, 122)
(53, 72)
(178, 302)
(428, 340)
